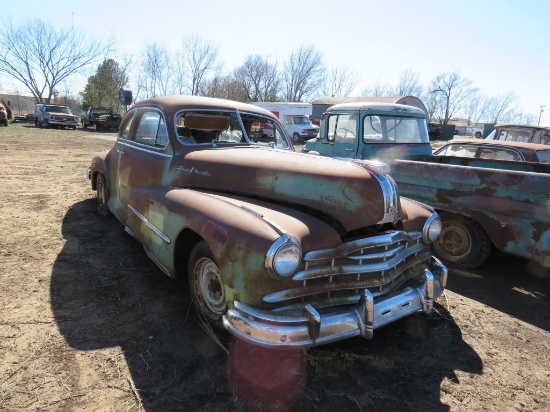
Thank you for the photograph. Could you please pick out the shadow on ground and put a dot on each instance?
(105, 293)
(515, 286)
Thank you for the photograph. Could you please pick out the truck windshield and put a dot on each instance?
(303, 120)
(58, 109)
(394, 129)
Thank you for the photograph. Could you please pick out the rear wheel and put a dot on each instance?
(102, 195)
(206, 282)
(462, 241)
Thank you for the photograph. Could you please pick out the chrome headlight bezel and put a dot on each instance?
(432, 228)
(275, 262)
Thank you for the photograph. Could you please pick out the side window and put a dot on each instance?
(458, 150)
(342, 128)
(151, 129)
(499, 154)
(126, 124)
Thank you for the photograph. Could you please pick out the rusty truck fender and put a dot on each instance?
(512, 207)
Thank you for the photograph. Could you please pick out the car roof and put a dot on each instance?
(366, 105)
(503, 143)
(521, 126)
(172, 104)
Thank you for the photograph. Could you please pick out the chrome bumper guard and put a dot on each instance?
(305, 328)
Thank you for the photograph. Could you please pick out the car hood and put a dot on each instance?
(351, 193)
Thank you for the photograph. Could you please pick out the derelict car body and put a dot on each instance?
(289, 249)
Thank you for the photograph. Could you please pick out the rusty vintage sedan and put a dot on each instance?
(285, 249)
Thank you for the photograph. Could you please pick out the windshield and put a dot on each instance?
(394, 129)
(301, 120)
(544, 155)
(214, 127)
(58, 109)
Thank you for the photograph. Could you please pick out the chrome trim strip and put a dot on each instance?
(138, 146)
(156, 230)
(386, 239)
(388, 186)
(274, 225)
(156, 262)
(345, 269)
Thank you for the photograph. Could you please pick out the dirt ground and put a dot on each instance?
(87, 322)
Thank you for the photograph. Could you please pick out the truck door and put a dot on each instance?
(340, 139)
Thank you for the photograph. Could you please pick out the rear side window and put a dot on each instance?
(150, 129)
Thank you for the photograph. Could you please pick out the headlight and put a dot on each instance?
(283, 257)
(432, 228)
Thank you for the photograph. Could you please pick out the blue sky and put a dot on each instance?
(501, 46)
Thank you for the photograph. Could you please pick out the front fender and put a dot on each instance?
(238, 230)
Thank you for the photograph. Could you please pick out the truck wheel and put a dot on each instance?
(296, 138)
(462, 242)
(206, 283)
(97, 127)
(102, 195)
(84, 125)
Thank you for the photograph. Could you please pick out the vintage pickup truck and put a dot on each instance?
(287, 249)
(100, 118)
(482, 202)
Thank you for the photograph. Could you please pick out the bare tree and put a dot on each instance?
(196, 60)
(408, 85)
(259, 79)
(499, 108)
(223, 87)
(474, 108)
(377, 90)
(155, 75)
(302, 74)
(452, 92)
(339, 82)
(41, 57)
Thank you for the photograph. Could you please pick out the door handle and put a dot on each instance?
(349, 150)
(120, 150)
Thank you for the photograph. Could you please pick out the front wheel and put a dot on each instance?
(97, 128)
(462, 242)
(206, 283)
(102, 195)
(296, 138)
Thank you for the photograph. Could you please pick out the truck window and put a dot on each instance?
(394, 129)
(342, 128)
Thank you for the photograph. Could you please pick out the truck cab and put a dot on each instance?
(372, 131)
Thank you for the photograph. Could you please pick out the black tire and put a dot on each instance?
(84, 125)
(462, 242)
(205, 282)
(296, 138)
(102, 195)
(36, 123)
(47, 124)
(97, 127)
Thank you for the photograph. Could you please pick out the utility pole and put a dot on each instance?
(540, 114)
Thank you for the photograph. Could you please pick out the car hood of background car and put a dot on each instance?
(347, 192)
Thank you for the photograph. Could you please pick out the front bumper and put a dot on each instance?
(310, 327)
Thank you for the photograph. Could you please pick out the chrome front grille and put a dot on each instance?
(338, 275)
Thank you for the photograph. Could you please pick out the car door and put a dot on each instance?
(144, 158)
